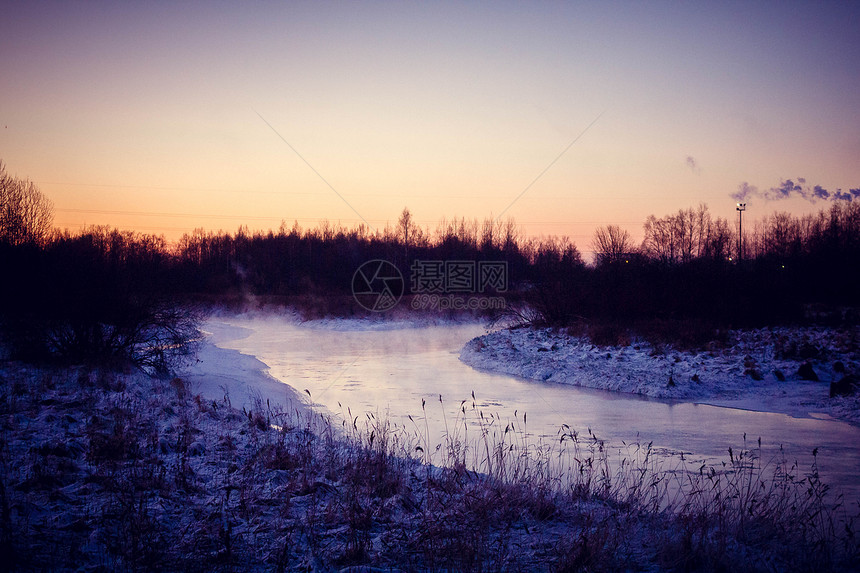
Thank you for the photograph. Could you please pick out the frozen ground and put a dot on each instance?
(224, 469)
(721, 376)
(110, 471)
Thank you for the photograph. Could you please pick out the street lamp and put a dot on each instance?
(740, 209)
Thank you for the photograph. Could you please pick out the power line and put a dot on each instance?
(192, 228)
(291, 193)
(316, 219)
(173, 215)
(318, 174)
(136, 228)
(551, 163)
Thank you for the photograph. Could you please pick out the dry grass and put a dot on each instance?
(121, 472)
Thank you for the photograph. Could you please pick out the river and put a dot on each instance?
(389, 372)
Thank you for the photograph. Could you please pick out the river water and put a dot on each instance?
(390, 372)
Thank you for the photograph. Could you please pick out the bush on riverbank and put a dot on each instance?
(122, 471)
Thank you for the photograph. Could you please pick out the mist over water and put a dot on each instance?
(390, 372)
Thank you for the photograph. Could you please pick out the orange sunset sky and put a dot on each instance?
(163, 117)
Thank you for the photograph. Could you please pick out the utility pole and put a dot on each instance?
(740, 209)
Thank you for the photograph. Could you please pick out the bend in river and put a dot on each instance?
(390, 372)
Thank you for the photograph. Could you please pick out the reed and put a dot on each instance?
(121, 471)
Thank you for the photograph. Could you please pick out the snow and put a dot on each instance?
(107, 471)
(719, 376)
(219, 372)
(115, 471)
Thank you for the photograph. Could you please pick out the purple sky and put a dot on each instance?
(145, 115)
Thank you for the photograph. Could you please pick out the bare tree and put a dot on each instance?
(489, 232)
(720, 240)
(26, 215)
(406, 230)
(781, 235)
(659, 242)
(610, 244)
(678, 238)
(509, 236)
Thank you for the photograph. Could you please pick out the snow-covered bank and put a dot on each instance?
(218, 373)
(106, 470)
(720, 376)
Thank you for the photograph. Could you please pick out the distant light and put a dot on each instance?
(730, 258)
(626, 261)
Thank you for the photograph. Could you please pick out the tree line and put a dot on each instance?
(103, 292)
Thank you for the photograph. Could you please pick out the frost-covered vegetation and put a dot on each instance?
(107, 470)
(790, 370)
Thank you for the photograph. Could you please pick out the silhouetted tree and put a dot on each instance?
(26, 215)
(611, 244)
(406, 230)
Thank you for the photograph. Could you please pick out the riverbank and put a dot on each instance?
(117, 470)
(346, 367)
(760, 370)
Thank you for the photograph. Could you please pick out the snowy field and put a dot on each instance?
(722, 376)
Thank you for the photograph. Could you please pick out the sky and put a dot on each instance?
(163, 117)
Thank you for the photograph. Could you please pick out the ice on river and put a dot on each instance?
(415, 375)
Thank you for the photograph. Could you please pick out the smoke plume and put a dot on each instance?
(693, 164)
(788, 188)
